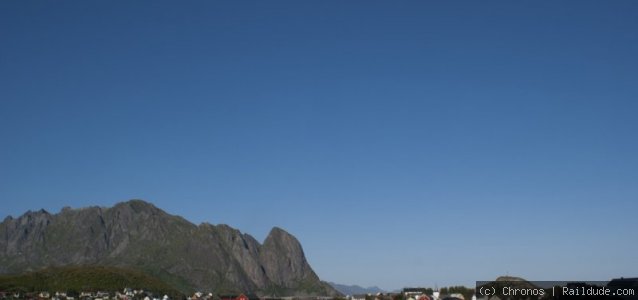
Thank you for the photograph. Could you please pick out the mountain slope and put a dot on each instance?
(355, 289)
(136, 234)
(76, 279)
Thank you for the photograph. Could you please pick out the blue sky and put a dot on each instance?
(405, 143)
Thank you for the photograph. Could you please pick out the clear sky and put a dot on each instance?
(405, 143)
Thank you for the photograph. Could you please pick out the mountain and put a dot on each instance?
(140, 236)
(503, 283)
(508, 278)
(355, 289)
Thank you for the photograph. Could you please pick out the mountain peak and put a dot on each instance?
(509, 278)
(41, 211)
(136, 204)
(278, 232)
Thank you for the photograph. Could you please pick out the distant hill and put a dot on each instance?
(510, 279)
(137, 235)
(512, 282)
(355, 289)
(85, 278)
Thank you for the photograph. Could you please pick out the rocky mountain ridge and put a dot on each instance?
(136, 234)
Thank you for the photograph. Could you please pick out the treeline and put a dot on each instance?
(75, 280)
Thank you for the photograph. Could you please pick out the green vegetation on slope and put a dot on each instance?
(76, 279)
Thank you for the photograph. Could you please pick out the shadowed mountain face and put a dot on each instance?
(136, 234)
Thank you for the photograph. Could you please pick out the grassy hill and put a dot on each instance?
(85, 278)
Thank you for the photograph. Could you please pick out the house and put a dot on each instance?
(238, 297)
(457, 296)
(129, 292)
(359, 297)
(414, 292)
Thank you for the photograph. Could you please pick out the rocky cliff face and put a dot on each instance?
(138, 235)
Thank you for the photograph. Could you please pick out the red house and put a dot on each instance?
(234, 297)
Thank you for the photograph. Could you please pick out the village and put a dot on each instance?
(140, 294)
